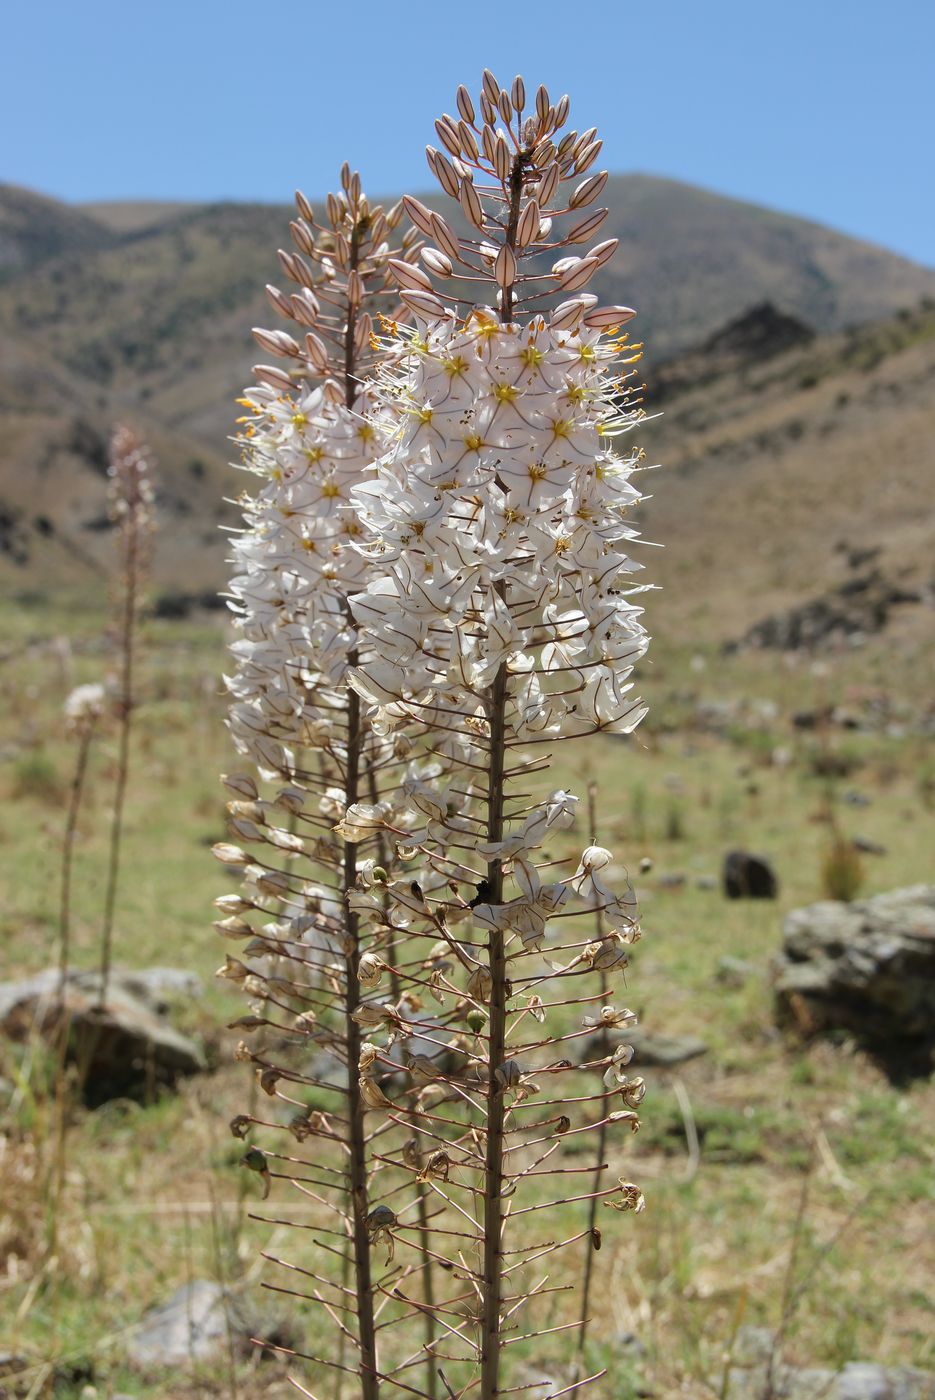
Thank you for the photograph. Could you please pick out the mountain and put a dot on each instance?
(143, 311)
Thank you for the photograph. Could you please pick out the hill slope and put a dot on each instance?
(768, 460)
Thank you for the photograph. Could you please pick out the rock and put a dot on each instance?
(200, 1322)
(746, 876)
(127, 1047)
(856, 1381)
(671, 880)
(867, 967)
(652, 1047)
(706, 882)
(733, 972)
(845, 615)
(867, 847)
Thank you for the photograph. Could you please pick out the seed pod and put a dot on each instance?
(304, 208)
(518, 93)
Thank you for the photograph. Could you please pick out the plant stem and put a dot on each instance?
(493, 1173)
(370, 1385)
(57, 1188)
(602, 1130)
(131, 584)
(496, 959)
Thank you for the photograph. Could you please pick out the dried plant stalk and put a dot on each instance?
(131, 510)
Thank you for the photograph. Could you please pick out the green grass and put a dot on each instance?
(155, 1194)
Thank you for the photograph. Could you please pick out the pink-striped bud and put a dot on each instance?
(437, 262)
(280, 301)
(603, 316)
(582, 231)
(444, 237)
(588, 190)
(423, 304)
(518, 93)
(470, 203)
(549, 184)
(277, 342)
(409, 277)
(504, 267)
(277, 379)
(317, 353)
(419, 214)
(465, 105)
(528, 226)
(603, 252)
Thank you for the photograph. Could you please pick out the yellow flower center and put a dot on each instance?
(330, 490)
(313, 454)
(299, 420)
(365, 432)
(473, 442)
(505, 393)
(562, 428)
(537, 471)
(531, 356)
(455, 364)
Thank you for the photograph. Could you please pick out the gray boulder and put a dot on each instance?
(200, 1322)
(866, 967)
(758, 1371)
(859, 1380)
(125, 1047)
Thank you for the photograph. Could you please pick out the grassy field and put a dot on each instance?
(811, 1195)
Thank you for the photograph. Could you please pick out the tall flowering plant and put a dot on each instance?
(434, 589)
(307, 440)
(501, 619)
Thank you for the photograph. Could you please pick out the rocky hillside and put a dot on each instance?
(781, 430)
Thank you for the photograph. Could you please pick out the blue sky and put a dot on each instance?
(823, 109)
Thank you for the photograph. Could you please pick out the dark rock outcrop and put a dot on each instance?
(125, 1048)
(746, 876)
(868, 968)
